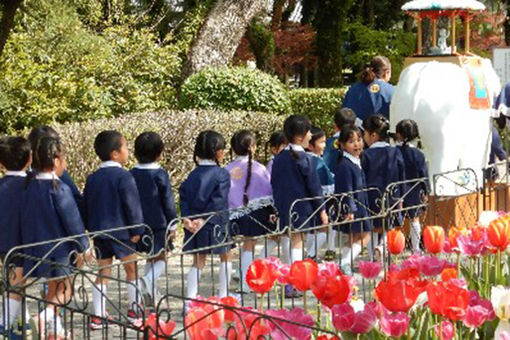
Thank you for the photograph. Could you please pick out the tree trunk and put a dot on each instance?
(221, 33)
(9, 8)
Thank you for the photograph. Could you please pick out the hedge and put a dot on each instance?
(320, 105)
(178, 130)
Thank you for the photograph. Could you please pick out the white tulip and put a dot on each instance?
(500, 299)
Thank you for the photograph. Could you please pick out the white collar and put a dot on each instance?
(408, 144)
(148, 166)
(379, 145)
(16, 173)
(271, 157)
(313, 154)
(337, 134)
(241, 158)
(46, 175)
(110, 164)
(353, 159)
(206, 162)
(295, 147)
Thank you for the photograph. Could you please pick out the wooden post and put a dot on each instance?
(454, 37)
(419, 42)
(434, 32)
(467, 33)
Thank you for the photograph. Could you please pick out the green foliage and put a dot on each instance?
(262, 43)
(234, 88)
(178, 129)
(365, 43)
(55, 69)
(320, 105)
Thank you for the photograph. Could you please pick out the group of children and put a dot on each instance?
(243, 198)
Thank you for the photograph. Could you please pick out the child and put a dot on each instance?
(343, 117)
(15, 159)
(349, 177)
(315, 241)
(157, 201)
(277, 143)
(250, 188)
(206, 191)
(382, 165)
(47, 131)
(415, 167)
(295, 177)
(49, 209)
(111, 200)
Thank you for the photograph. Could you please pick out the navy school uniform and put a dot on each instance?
(206, 191)
(383, 165)
(111, 200)
(415, 167)
(497, 153)
(158, 205)
(331, 152)
(12, 186)
(370, 99)
(50, 212)
(78, 197)
(350, 177)
(294, 179)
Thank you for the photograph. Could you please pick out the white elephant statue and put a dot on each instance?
(454, 135)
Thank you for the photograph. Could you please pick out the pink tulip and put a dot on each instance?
(364, 321)
(445, 330)
(287, 330)
(412, 261)
(447, 247)
(394, 324)
(329, 269)
(431, 265)
(284, 271)
(470, 247)
(475, 316)
(370, 270)
(504, 336)
(345, 319)
(476, 300)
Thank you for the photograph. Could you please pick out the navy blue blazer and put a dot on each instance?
(366, 100)
(78, 197)
(111, 200)
(415, 167)
(50, 212)
(11, 205)
(325, 176)
(382, 166)
(331, 153)
(497, 150)
(294, 179)
(350, 177)
(156, 196)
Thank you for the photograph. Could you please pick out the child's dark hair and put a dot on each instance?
(47, 149)
(277, 138)
(14, 153)
(377, 68)
(207, 144)
(317, 133)
(408, 129)
(39, 132)
(148, 147)
(295, 126)
(378, 124)
(347, 132)
(242, 143)
(345, 116)
(106, 142)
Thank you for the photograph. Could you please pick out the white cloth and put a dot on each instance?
(110, 164)
(148, 166)
(206, 162)
(295, 147)
(16, 173)
(355, 160)
(193, 279)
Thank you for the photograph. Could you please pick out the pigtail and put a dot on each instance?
(248, 178)
(340, 155)
(293, 153)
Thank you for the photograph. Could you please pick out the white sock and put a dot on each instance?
(154, 273)
(133, 294)
(332, 235)
(47, 316)
(193, 279)
(269, 248)
(344, 251)
(317, 244)
(415, 236)
(225, 276)
(297, 254)
(285, 255)
(352, 253)
(99, 299)
(246, 260)
(148, 267)
(310, 240)
(370, 246)
(11, 311)
(60, 327)
(383, 238)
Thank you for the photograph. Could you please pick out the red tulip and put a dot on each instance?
(498, 233)
(231, 302)
(332, 290)
(433, 238)
(396, 241)
(394, 325)
(448, 299)
(303, 274)
(453, 235)
(399, 291)
(162, 330)
(370, 270)
(261, 276)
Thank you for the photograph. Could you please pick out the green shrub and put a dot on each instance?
(234, 88)
(320, 105)
(178, 130)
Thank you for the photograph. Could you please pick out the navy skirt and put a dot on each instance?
(109, 248)
(255, 223)
(212, 236)
(155, 243)
(51, 267)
